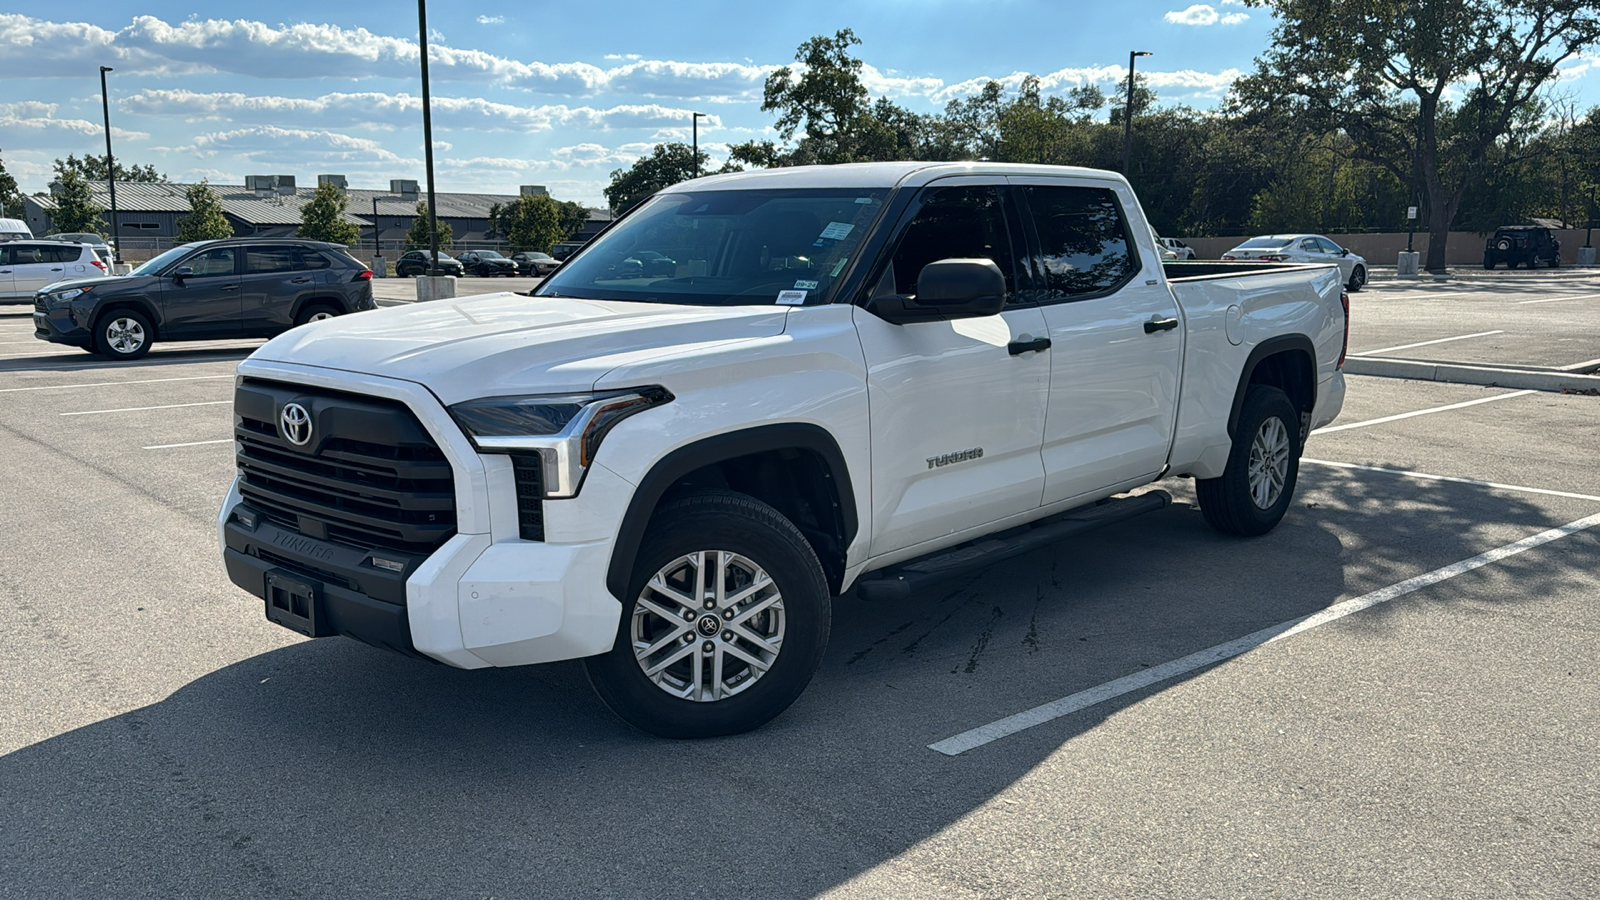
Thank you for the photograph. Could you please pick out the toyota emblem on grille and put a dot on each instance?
(295, 423)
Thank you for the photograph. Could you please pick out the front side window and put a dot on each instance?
(964, 222)
(724, 248)
(1083, 238)
(212, 263)
(1329, 246)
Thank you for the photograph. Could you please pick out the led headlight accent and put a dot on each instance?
(565, 430)
(62, 298)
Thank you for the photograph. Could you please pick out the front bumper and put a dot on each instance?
(483, 598)
(59, 326)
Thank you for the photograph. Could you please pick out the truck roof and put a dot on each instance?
(876, 175)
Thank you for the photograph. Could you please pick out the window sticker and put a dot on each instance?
(791, 298)
(863, 199)
(838, 267)
(837, 231)
(806, 285)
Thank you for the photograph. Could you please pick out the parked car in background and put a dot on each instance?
(486, 264)
(27, 267)
(234, 288)
(415, 262)
(565, 249)
(89, 238)
(532, 262)
(1521, 245)
(1179, 249)
(1303, 248)
(14, 230)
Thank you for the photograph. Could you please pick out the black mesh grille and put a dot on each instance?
(370, 476)
(529, 468)
(38, 303)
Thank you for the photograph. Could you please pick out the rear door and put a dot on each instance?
(274, 279)
(34, 266)
(1116, 337)
(205, 304)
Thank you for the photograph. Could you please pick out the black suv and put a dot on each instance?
(487, 264)
(415, 262)
(1522, 245)
(236, 288)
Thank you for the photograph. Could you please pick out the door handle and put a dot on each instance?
(230, 287)
(1155, 325)
(1019, 347)
(56, 269)
(301, 280)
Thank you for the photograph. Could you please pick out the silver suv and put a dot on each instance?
(26, 267)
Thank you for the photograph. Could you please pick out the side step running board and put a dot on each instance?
(898, 582)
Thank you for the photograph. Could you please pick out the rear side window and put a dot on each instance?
(1083, 239)
(953, 223)
(63, 254)
(263, 260)
(24, 254)
(311, 259)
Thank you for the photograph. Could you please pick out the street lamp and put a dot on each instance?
(697, 118)
(427, 139)
(1127, 114)
(111, 168)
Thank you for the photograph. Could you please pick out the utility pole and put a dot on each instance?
(697, 118)
(111, 169)
(1127, 116)
(427, 139)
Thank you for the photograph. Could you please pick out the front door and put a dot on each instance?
(205, 304)
(35, 266)
(1116, 338)
(7, 280)
(957, 416)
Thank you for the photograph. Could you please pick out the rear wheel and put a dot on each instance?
(724, 623)
(316, 312)
(1555, 260)
(122, 334)
(1255, 489)
(1488, 262)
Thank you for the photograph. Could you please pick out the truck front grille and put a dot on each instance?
(369, 477)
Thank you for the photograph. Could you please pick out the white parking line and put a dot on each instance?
(1474, 482)
(188, 444)
(1055, 709)
(1559, 299)
(1459, 337)
(68, 387)
(96, 412)
(1422, 412)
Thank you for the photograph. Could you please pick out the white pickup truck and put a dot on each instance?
(752, 394)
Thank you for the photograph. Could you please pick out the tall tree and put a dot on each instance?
(529, 223)
(93, 168)
(417, 237)
(663, 167)
(824, 100)
(574, 216)
(322, 218)
(10, 197)
(76, 209)
(205, 222)
(1385, 72)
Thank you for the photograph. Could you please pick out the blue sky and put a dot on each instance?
(552, 94)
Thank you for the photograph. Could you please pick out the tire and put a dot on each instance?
(1233, 503)
(1488, 262)
(315, 312)
(1555, 261)
(123, 334)
(1502, 245)
(1513, 263)
(750, 539)
(1358, 278)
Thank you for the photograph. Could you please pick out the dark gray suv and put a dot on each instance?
(236, 288)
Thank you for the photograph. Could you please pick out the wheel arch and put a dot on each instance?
(795, 467)
(316, 300)
(1287, 362)
(141, 305)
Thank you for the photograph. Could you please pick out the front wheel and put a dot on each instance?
(122, 334)
(724, 623)
(1358, 278)
(1256, 487)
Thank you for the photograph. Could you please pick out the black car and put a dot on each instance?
(565, 249)
(1521, 245)
(415, 262)
(487, 264)
(533, 262)
(236, 288)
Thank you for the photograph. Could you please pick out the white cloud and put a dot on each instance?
(499, 20)
(268, 144)
(1233, 2)
(1198, 14)
(31, 124)
(1234, 18)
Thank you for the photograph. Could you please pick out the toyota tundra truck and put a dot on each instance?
(849, 378)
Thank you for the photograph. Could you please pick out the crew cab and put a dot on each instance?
(852, 378)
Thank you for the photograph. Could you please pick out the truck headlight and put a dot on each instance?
(565, 430)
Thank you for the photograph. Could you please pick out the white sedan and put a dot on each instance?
(1304, 248)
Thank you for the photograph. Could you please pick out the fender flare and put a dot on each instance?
(712, 450)
(1271, 347)
(136, 301)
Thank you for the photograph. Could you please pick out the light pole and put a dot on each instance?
(427, 140)
(1127, 115)
(697, 118)
(111, 168)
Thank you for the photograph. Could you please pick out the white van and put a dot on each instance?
(14, 230)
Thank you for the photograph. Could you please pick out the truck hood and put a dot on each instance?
(509, 343)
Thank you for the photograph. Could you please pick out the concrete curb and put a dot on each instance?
(1455, 373)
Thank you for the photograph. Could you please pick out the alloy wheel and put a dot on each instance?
(707, 625)
(125, 335)
(1269, 462)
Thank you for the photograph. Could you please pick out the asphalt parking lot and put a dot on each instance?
(1392, 694)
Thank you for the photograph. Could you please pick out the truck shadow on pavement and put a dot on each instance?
(329, 769)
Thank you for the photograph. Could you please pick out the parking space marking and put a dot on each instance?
(96, 412)
(1421, 412)
(1459, 337)
(1558, 299)
(188, 444)
(1055, 709)
(1424, 476)
(68, 387)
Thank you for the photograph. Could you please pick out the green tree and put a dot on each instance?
(322, 218)
(825, 99)
(76, 209)
(205, 222)
(93, 168)
(529, 223)
(417, 237)
(664, 166)
(574, 216)
(1384, 72)
(10, 196)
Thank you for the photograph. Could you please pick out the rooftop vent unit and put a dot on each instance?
(405, 187)
(333, 179)
(286, 185)
(535, 190)
(262, 185)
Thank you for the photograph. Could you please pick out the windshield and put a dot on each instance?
(724, 248)
(158, 263)
(1265, 243)
(489, 254)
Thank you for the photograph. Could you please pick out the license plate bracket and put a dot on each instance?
(293, 602)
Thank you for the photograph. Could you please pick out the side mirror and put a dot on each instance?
(1345, 252)
(948, 289)
(182, 272)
